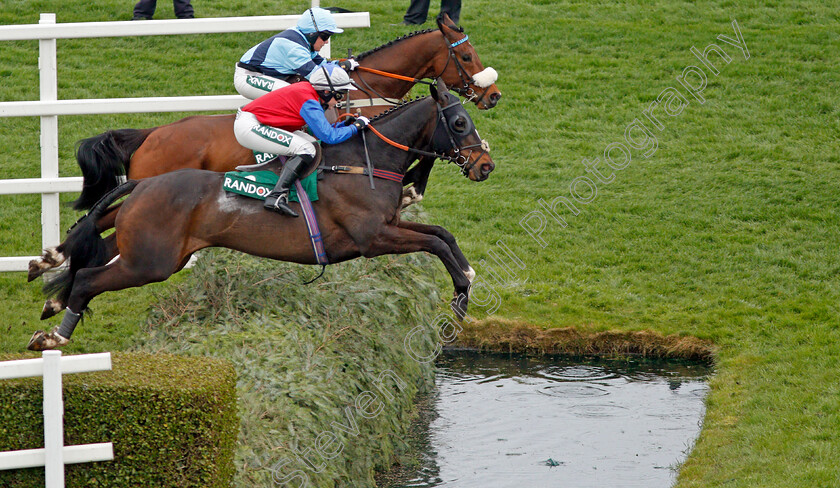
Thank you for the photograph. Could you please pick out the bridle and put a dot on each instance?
(455, 140)
(464, 90)
(447, 140)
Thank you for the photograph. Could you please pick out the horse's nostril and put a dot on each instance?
(495, 97)
(486, 168)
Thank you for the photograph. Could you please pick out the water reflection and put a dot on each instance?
(514, 421)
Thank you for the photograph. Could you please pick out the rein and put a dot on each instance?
(392, 75)
(458, 159)
(465, 90)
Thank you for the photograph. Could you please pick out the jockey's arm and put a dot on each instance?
(313, 114)
(292, 57)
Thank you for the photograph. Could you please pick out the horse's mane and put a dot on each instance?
(399, 106)
(391, 43)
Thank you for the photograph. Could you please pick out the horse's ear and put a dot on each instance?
(444, 20)
(441, 85)
(438, 89)
(441, 18)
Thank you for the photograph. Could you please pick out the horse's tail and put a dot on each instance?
(103, 159)
(84, 246)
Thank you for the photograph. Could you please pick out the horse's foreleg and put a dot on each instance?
(446, 237)
(418, 177)
(400, 240)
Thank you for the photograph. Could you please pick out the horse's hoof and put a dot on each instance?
(36, 269)
(410, 196)
(49, 259)
(459, 306)
(51, 309)
(36, 342)
(41, 341)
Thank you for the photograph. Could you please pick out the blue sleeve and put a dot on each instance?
(313, 65)
(289, 57)
(313, 114)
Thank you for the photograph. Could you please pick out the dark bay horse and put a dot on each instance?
(207, 141)
(165, 219)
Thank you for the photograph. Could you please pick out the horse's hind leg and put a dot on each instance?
(53, 257)
(53, 306)
(89, 283)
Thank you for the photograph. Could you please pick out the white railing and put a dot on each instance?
(55, 454)
(49, 185)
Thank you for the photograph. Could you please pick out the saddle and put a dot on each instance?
(276, 164)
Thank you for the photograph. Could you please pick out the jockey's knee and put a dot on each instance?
(306, 149)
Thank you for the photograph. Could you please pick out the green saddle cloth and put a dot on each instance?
(258, 184)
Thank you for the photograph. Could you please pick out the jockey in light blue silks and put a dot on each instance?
(288, 56)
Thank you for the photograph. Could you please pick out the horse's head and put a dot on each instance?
(457, 137)
(462, 69)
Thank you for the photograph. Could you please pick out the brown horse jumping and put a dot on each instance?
(167, 218)
(207, 141)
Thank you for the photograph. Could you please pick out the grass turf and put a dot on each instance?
(727, 232)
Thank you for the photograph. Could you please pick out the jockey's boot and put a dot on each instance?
(278, 199)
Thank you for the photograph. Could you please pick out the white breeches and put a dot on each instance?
(264, 138)
(253, 85)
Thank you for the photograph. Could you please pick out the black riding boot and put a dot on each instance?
(278, 199)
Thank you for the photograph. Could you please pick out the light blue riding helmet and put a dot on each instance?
(317, 19)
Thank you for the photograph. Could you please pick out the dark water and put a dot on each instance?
(513, 421)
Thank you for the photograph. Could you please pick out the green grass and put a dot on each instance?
(728, 232)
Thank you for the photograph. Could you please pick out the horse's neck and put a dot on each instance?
(415, 57)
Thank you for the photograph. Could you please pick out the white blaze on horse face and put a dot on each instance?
(485, 78)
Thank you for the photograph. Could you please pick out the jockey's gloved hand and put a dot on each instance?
(348, 64)
(361, 122)
(349, 120)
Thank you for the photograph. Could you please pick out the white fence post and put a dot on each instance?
(55, 454)
(50, 221)
(53, 420)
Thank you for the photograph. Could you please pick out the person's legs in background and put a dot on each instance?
(144, 9)
(452, 8)
(417, 12)
(183, 9)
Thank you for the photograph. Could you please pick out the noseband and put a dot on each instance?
(444, 141)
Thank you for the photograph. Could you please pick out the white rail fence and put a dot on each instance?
(48, 108)
(55, 454)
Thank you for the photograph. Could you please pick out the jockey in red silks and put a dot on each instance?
(272, 123)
